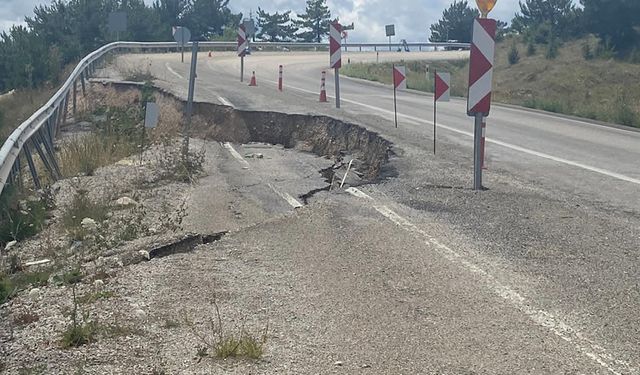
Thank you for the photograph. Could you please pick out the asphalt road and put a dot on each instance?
(544, 265)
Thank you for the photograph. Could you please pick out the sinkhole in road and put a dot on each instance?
(321, 135)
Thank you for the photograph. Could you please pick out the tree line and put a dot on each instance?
(65, 31)
(615, 22)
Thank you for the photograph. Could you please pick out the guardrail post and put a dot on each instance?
(32, 167)
(82, 78)
(44, 158)
(75, 93)
(63, 119)
(50, 153)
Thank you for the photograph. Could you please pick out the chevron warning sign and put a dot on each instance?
(243, 44)
(442, 86)
(335, 44)
(481, 66)
(399, 77)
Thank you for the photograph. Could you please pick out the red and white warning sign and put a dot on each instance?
(399, 77)
(335, 53)
(481, 66)
(442, 86)
(243, 43)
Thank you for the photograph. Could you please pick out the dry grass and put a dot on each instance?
(82, 155)
(600, 89)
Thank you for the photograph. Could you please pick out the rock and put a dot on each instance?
(125, 201)
(98, 284)
(366, 366)
(338, 363)
(22, 205)
(139, 314)
(34, 293)
(254, 155)
(145, 254)
(89, 224)
(10, 245)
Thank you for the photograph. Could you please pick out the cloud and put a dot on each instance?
(412, 18)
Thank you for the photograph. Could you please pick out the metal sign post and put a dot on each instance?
(182, 36)
(480, 80)
(390, 30)
(117, 23)
(335, 55)
(192, 87)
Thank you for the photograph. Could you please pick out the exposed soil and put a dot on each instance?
(321, 135)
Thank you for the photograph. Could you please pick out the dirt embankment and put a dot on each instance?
(321, 135)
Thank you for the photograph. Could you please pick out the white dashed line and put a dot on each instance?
(235, 154)
(286, 196)
(500, 143)
(291, 200)
(224, 101)
(173, 71)
(540, 317)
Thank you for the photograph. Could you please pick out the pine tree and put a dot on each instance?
(275, 27)
(456, 23)
(559, 15)
(315, 21)
(615, 21)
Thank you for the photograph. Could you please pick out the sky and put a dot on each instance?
(411, 17)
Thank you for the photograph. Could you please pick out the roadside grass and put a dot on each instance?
(114, 139)
(576, 82)
(16, 108)
(220, 344)
(80, 208)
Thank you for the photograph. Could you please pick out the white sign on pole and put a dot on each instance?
(151, 116)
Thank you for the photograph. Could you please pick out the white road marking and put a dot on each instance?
(291, 200)
(572, 163)
(540, 317)
(286, 196)
(235, 154)
(173, 71)
(224, 101)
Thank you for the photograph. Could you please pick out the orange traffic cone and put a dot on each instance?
(210, 54)
(323, 91)
(253, 80)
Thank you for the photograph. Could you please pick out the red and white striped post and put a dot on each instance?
(480, 80)
(441, 93)
(280, 78)
(335, 55)
(323, 90)
(243, 44)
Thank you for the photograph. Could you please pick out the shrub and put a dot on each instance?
(552, 49)
(587, 52)
(514, 55)
(605, 51)
(21, 216)
(531, 49)
(82, 207)
(6, 288)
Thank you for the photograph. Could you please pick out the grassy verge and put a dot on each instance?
(574, 82)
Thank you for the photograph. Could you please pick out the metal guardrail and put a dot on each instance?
(39, 131)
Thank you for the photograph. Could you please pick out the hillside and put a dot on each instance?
(599, 89)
